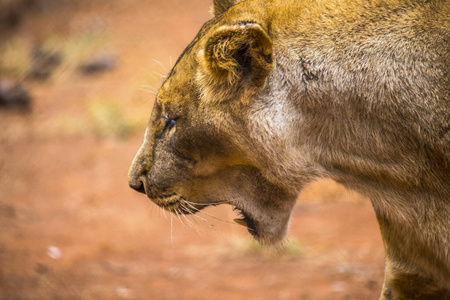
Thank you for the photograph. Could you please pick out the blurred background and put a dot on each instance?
(77, 83)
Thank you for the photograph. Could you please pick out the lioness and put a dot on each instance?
(273, 94)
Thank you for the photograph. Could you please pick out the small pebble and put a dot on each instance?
(54, 252)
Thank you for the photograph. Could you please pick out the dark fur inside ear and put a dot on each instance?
(221, 6)
(236, 53)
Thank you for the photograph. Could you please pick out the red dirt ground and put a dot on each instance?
(71, 228)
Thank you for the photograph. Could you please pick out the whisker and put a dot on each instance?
(195, 218)
(183, 205)
(159, 63)
(151, 92)
(208, 204)
(201, 211)
(192, 212)
(192, 208)
(164, 212)
(191, 225)
(219, 219)
(177, 213)
(170, 62)
(148, 86)
(160, 75)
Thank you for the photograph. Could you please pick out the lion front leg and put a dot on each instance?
(399, 285)
(414, 265)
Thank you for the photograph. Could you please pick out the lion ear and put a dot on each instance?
(221, 6)
(239, 53)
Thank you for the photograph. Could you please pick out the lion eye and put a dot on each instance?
(169, 123)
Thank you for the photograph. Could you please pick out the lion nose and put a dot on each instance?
(137, 186)
(135, 177)
(138, 169)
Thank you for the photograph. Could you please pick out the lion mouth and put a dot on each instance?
(175, 203)
(266, 228)
(246, 220)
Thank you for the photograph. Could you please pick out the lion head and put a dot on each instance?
(218, 132)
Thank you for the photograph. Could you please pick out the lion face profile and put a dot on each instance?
(271, 95)
(200, 149)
